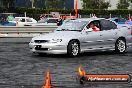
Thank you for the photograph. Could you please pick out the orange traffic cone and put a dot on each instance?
(48, 81)
(82, 72)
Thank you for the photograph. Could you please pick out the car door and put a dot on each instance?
(91, 39)
(108, 33)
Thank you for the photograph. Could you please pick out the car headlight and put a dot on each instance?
(32, 41)
(55, 40)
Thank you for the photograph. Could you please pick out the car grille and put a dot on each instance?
(41, 49)
(41, 41)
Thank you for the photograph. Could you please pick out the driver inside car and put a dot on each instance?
(94, 28)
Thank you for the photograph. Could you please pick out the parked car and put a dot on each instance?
(21, 21)
(119, 20)
(8, 24)
(44, 22)
(76, 36)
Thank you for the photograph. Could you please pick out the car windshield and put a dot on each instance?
(72, 26)
(48, 20)
(52, 21)
(42, 20)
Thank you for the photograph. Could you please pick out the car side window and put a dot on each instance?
(96, 23)
(108, 25)
(52, 21)
(113, 25)
(116, 20)
(22, 20)
(94, 26)
(122, 20)
(28, 20)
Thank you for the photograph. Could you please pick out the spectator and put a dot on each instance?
(59, 22)
(42, 17)
(94, 16)
(10, 18)
(130, 18)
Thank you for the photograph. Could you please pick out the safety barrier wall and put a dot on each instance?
(26, 31)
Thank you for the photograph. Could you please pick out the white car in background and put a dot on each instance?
(21, 21)
(45, 22)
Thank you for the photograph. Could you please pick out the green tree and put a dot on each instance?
(95, 4)
(123, 4)
(130, 0)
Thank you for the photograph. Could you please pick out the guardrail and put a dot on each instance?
(28, 31)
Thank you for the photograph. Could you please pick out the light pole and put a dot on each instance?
(45, 3)
(76, 8)
(64, 4)
(32, 1)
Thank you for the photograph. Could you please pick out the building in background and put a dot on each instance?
(7, 6)
(1, 3)
(23, 3)
(42, 4)
(68, 4)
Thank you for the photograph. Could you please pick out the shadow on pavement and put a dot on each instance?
(80, 55)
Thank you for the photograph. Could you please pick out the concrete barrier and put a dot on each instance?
(27, 31)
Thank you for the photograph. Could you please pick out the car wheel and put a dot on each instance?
(73, 48)
(120, 46)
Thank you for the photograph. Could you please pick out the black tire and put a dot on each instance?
(82, 80)
(120, 46)
(73, 48)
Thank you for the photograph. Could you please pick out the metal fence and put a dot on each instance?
(36, 16)
(25, 31)
(127, 16)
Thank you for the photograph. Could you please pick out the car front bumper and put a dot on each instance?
(49, 48)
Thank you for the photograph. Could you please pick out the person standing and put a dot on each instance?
(59, 22)
(10, 18)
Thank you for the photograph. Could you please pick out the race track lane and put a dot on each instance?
(21, 69)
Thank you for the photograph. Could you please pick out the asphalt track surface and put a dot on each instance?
(21, 69)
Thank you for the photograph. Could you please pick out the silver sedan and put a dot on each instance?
(76, 36)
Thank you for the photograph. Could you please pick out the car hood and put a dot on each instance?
(58, 35)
